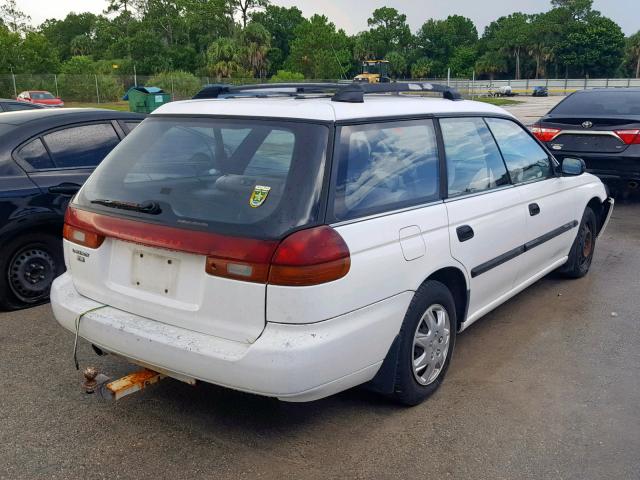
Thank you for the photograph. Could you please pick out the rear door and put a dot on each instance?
(60, 161)
(549, 201)
(486, 221)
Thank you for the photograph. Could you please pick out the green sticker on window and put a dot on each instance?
(259, 195)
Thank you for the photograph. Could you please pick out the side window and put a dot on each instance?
(36, 155)
(474, 163)
(385, 166)
(84, 146)
(131, 124)
(525, 159)
(14, 107)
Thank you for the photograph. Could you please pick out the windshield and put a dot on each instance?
(42, 96)
(238, 177)
(600, 103)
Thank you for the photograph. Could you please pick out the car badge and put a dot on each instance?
(587, 124)
(259, 195)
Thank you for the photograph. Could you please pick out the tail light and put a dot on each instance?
(545, 134)
(629, 137)
(310, 257)
(83, 235)
(307, 257)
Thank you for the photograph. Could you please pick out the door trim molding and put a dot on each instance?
(516, 252)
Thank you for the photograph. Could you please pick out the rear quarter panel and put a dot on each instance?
(379, 267)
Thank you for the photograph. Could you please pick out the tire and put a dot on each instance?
(414, 385)
(28, 265)
(581, 254)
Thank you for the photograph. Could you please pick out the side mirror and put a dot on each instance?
(573, 166)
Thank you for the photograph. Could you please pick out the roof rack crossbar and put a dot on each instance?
(342, 92)
(355, 92)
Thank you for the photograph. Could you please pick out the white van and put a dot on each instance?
(296, 241)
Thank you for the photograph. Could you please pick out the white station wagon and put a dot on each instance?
(295, 241)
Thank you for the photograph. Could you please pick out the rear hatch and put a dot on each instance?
(188, 213)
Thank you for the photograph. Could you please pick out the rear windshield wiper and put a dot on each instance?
(151, 207)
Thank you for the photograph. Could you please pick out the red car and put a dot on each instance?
(40, 97)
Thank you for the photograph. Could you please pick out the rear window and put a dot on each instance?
(238, 177)
(600, 103)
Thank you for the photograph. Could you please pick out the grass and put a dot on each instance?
(497, 101)
(122, 106)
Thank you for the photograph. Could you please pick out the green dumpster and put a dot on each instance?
(146, 99)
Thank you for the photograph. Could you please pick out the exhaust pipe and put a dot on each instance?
(633, 184)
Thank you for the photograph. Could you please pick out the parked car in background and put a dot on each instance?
(540, 92)
(40, 97)
(7, 105)
(330, 242)
(601, 126)
(45, 156)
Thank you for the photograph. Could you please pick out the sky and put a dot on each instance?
(351, 15)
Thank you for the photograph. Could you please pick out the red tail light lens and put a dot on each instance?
(629, 137)
(545, 134)
(80, 233)
(310, 257)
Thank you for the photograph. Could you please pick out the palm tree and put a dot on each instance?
(491, 63)
(256, 42)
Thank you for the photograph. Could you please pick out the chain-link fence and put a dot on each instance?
(111, 88)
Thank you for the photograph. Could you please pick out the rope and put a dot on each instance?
(75, 343)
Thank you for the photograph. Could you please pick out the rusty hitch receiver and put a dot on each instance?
(117, 389)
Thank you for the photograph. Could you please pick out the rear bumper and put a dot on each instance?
(624, 166)
(301, 362)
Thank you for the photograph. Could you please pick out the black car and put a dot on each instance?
(540, 92)
(45, 156)
(601, 126)
(7, 105)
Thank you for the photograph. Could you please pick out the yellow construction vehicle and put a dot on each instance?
(374, 71)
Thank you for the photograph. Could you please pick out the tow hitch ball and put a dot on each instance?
(95, 382)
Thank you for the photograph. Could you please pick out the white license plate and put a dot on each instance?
(154, 273)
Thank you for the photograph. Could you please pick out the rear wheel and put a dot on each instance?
(28, 266)
(427, 338)
(581, 254)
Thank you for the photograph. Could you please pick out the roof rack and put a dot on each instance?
(341, 92)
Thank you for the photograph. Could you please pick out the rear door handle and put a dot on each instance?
(465, 232)
(534, 209)
(65, 189)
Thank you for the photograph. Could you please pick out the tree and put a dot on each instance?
(438, 40)
(633, 51)
(319, 51)
(14, 18)
(287, 76)
(397, 64)
(421, 68)
(491, 63)
(510, 34)
(255, 40)
(578, 9)
(388, 31)
(281, 23)
(60, 33)
(37, 55)
(222, 58)
(247, 6)
(9, 49)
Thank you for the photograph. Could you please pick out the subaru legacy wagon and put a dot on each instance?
(295, 242)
